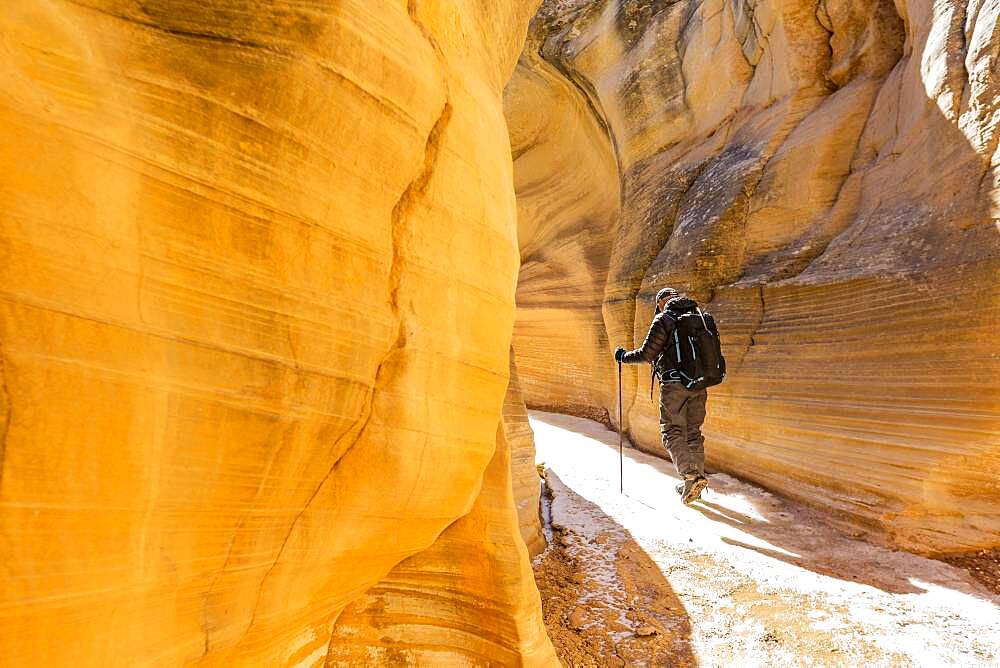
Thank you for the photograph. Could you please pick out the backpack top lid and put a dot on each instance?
(681, 305)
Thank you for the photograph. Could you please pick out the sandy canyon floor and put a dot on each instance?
(740, 578)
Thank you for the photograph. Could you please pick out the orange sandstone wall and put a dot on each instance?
(256, 293)
(826, 179)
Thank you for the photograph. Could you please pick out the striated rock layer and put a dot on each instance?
(826, 179)
(256, 294)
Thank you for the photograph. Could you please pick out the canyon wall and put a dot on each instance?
(825, 178)
(525, 480)
(256, 295)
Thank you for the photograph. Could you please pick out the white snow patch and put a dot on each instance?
(758, 575)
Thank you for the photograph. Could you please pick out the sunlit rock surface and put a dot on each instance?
(256, 292)
(826, 179)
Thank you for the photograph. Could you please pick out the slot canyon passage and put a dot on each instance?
(279, 280)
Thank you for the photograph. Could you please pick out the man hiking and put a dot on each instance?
(683, 347)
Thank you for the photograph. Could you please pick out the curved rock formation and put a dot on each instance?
(256, 293)
(826, 178)
(567, 185)
(470, 598)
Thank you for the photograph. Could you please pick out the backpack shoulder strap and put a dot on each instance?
(701, 314)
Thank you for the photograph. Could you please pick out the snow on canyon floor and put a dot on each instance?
(741, 578)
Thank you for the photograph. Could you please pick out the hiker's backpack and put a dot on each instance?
(694, 350)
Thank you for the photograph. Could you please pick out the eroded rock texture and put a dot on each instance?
(826, 178)
(256, 290)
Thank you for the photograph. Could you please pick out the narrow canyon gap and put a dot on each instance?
(824, 178)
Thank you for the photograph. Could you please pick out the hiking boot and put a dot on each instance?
(692, 489)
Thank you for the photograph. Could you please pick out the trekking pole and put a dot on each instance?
(621, 465)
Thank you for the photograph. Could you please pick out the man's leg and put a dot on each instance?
(674, 428)
(695, 408)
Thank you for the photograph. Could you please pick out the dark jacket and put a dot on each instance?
(658, 337)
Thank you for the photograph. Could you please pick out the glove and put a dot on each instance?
(619, 354)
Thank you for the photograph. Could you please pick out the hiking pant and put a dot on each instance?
(681, 414)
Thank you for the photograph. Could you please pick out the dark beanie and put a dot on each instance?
(665, 293)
